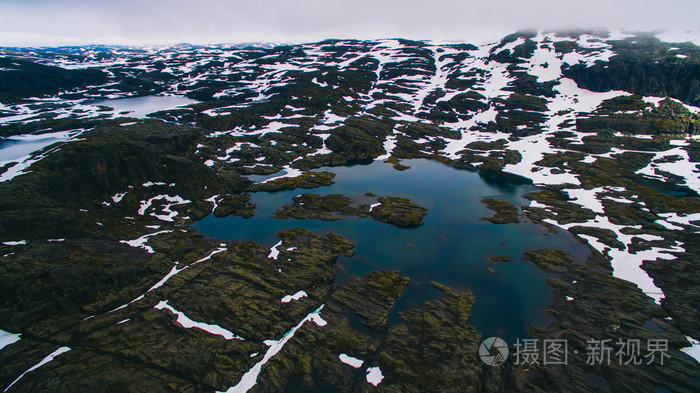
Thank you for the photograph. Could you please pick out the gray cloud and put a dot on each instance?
(55, 22)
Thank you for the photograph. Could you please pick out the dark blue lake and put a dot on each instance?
(452, 247)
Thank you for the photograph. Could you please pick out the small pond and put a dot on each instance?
(139, 107)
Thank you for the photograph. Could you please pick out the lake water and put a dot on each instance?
(452, 247)
(139, 107)
(19, 147)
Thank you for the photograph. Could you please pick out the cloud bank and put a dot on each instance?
(132, 22)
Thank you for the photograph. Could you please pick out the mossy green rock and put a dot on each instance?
(434, 349)
(322, 207)
(506, 212)
(306, 180)
(399, 211)
(235, 205)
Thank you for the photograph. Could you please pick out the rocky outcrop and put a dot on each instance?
(399, 211)
(506, 212)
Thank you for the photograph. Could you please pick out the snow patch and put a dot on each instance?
(47, 359)
(374, 376)
(693, 350)
(116, 198)
(250, 378)
(7, 338)
(351, 361)
(296, 296)
(288, 172)
(15, 243)
(274, 252)
(175, 270)
(187, 323)
(172, 201)
(141, 241)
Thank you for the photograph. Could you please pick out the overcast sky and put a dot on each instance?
(132, 22)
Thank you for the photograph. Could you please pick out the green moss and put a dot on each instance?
(434, 349)
(525, 102)
(623, 103)
(399, 211)
(306, 180)
(307, 206)
(24, 79)
(235, 205)
(506, 212)
(397, 164)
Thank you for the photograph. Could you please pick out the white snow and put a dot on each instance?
(569, 98)
(7, 338)
(172, 201)
(374, 376)
(296, 296)
(536, 204)
(532, 150)
(116, 198)
(151, 184)
(22, 154)
(351, 361)
(627, 266)
(683, 220)
(589, 159)
(187, 323)
(674, 35)
(619, 200)
(389, 145)
(47, 359)
(250, 378)
(668, 225)
(274, 252)
(140, 242)
(289, 172)
(693, 350)
(175, 270)
(587, 198)
(682, 166)
(318, 320)
(212, 199)
(545, 63)
(15, 243)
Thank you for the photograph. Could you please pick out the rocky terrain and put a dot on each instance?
(107, 287)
